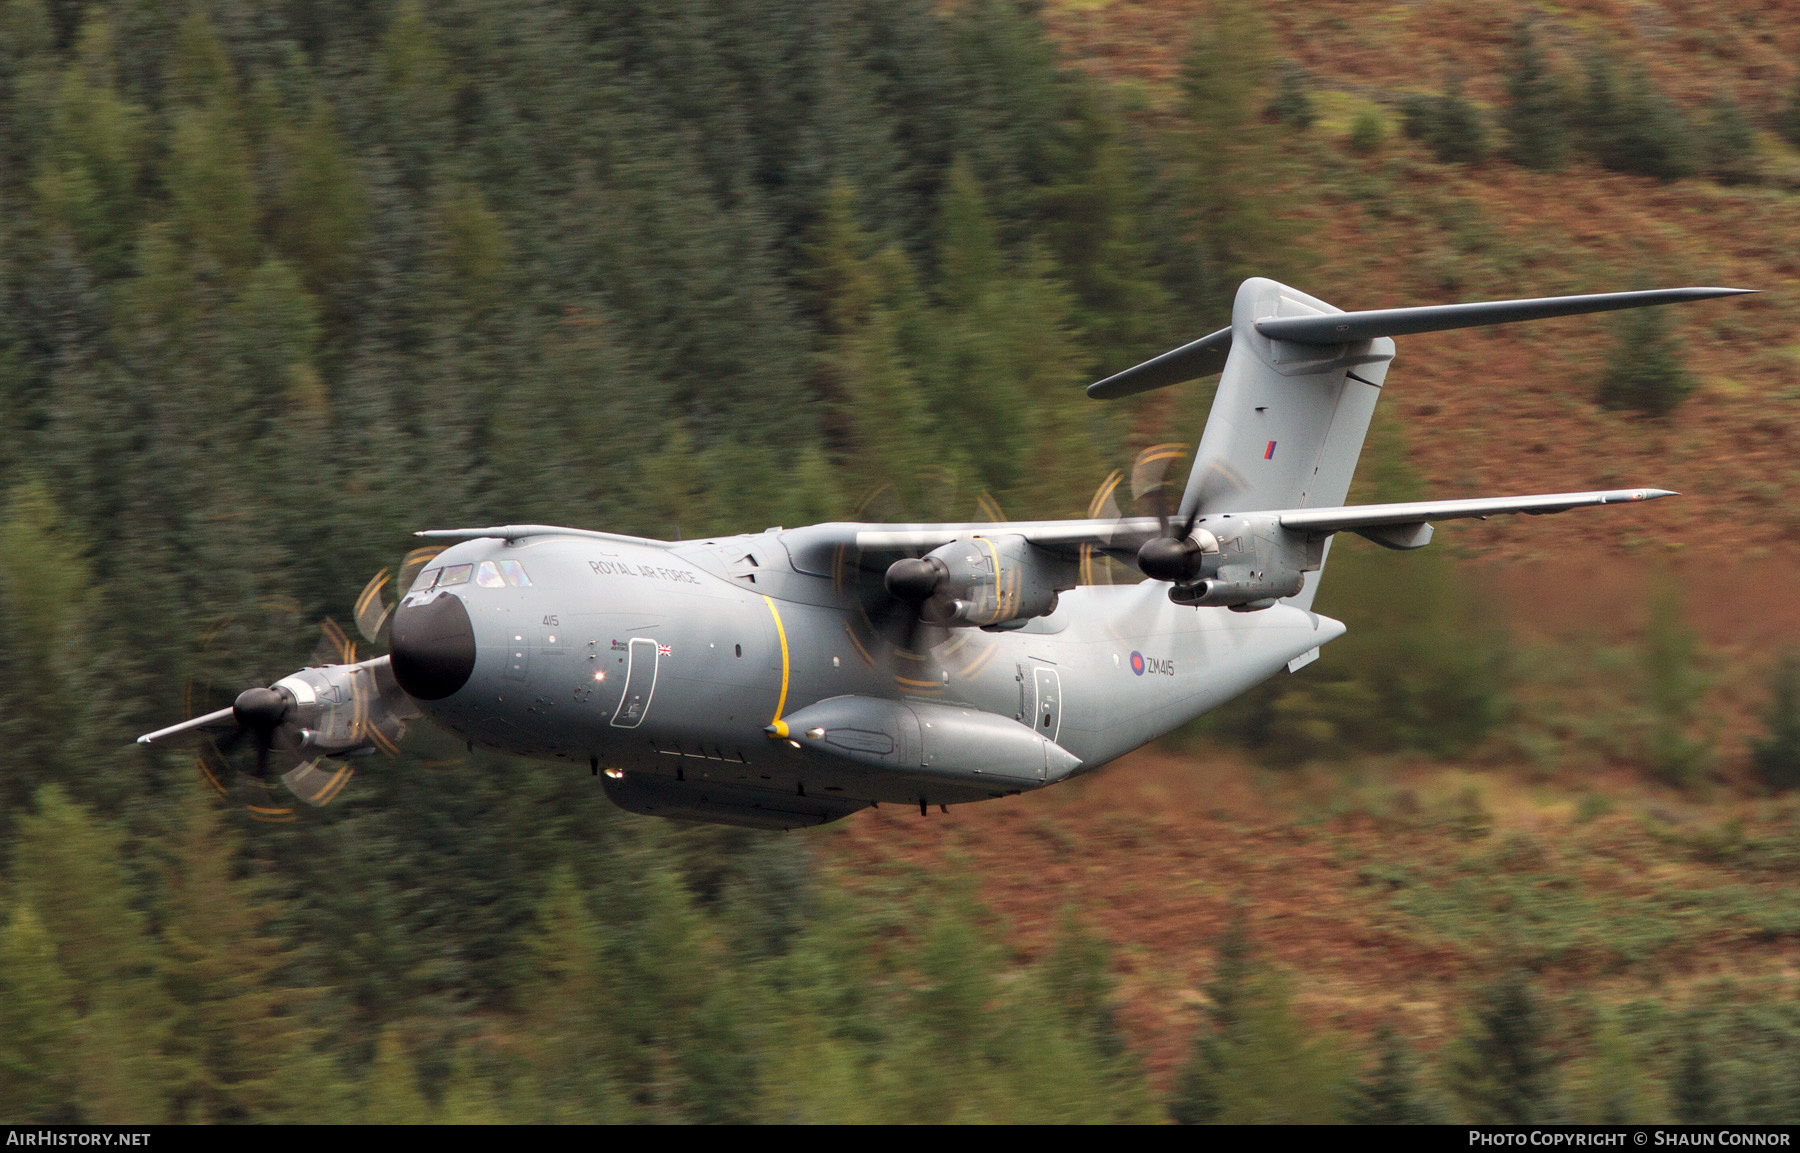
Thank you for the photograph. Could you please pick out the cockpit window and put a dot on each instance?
(456, 574)
(488, 577)
(426, 580)
(515, 574)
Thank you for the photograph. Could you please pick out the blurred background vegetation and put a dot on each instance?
(285, 281)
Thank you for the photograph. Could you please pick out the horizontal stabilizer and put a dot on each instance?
(1348, 327)
(1207, 355)
(1189, 362)
(1350, 518)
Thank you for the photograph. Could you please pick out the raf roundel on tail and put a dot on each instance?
(828, 668)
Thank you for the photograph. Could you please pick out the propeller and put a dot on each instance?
(1174, 555)
(310, 722)
(896, 613)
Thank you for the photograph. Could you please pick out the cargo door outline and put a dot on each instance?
(1047, 718)
(640, 684)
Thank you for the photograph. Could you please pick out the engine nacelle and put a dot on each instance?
(983, 582)
(1257, 563)
(339, 709)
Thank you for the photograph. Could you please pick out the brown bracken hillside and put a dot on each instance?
(1386, 886)
(1511, 410)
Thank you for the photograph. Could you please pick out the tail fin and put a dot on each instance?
(1299, 386)
(1288, 420)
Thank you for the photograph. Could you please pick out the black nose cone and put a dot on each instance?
(433, 648)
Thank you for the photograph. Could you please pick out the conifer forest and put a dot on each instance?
(284, 281)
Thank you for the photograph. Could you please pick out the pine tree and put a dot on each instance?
(69, 868)
(1390, 1093)
(38, 1027)
(1198, 1098)
(1777, 755)
(568, 1011)
(1645, 372)
(391, 1088)
(1787, 117)
(1368, 131)
(1096, 224)
(209, 175)
(1256, 1062)
(1630, 126)
(1504, 1070)
(1535, 119)
(1449, 125)
(1696, 1085)
(1293, 104)
(87, 180)
(1729, 143)
(241, 1041)
(46, 598)
(1674, 691)
(1228, 158)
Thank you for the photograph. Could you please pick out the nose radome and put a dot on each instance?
(433, 647)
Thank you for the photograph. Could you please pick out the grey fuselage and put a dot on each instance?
(672, 668)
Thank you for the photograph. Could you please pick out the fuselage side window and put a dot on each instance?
(515, 574)
(488, 576)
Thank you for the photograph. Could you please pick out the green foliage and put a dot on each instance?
(280, 289)
(1097, 227)
(1777, 755)
(1617, 1090)
(237, 1039)
(1505, 1070)
(38, 1026)
(1390, 1092)
(1645, 372)
(68, 868)
(1631, 126)
(1448, 124)
(1536, 114)
(391, 1088)
(1417, 670)
(1292, 104)
(1367, 132)
(1674, 691)
(1253, 1061)
(1695, 1088)
(88, 172)
(1728, 143)
(46, 601)
(1421, 667)
(1227, 158)
(1787, 117)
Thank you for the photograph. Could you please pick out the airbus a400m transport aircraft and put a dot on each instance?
(793, 676)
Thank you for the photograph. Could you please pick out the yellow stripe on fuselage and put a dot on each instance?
(781, 701)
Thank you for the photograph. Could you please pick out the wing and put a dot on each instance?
(812, 547)
(1359, 516)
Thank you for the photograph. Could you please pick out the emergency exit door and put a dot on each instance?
(640, 684)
